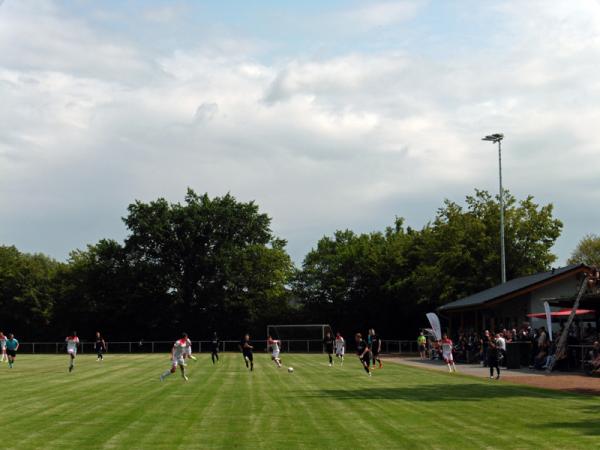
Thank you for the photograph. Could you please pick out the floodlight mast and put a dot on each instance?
(497, 138)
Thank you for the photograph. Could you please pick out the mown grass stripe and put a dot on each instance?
(120, 404)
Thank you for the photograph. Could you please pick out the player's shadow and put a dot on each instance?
(438, 393)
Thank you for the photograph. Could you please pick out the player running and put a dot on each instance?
(328, 346)
(375, 348)
(3, 347)
(100, 347)
(178, 353)
(447, 347)
(12, 345)
(340, 347)
(274, 345)
(215, 348)
(246, 348)
(72, 344)
(362, 350)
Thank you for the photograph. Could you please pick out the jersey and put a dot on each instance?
(274, 344)
(501, 343)
(447, 346)
(179, 351)
(12, 344)
(72, 343)
(375, 342)
(361, 346)
(246, 346)
(328, 343)
(421, 340)
(340, 345)
(100, 345)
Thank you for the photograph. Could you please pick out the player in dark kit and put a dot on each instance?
(362, 350)
(328, 343)
(215, 348)
(100, 347)
(375, 345)
(246, 347)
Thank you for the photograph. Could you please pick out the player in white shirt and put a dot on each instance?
(189, 350)
(447, 348)
(3, 347)
(275, 346)
(178, 354)
(340, 347)
(72, 344)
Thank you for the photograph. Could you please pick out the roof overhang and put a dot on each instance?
(517, 293)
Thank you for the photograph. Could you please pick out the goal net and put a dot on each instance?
(300, 338)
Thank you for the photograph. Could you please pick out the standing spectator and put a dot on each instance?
(501, 343)
(542, 337)
(485, 347)
(492, 357)
(422, 344)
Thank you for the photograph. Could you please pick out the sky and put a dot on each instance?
(330, 115)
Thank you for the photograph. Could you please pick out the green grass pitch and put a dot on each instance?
(121, 404)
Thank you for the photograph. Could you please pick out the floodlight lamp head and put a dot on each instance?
(496, 137)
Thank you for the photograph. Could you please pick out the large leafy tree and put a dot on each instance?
(27, 291)
(459, 252)
(389, 279)
(587, 251)
(360, 281)
(215, 258)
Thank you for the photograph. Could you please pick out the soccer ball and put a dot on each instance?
(290, 369)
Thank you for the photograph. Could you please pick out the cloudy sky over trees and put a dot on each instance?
(338, 114)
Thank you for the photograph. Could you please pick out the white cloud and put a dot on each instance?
(349, 140)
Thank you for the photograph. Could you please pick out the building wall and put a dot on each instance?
(564, 288)
(512, 313)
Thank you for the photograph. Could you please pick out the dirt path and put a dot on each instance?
(568, 382)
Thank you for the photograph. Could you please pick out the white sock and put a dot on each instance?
(166, 373)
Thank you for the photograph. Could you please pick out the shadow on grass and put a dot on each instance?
(589, 427)
(438, 393)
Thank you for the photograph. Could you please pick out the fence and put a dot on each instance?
(289, 346)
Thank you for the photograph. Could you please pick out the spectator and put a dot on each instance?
(501, 344)
(493, 356)
(589, 332)
(422, 344)
(592, 366)
(539, 362)
(485, 341)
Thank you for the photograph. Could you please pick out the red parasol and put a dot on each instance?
(563, 313)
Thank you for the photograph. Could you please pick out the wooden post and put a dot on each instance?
(562, 342)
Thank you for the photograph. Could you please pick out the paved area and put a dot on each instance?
(564, 381)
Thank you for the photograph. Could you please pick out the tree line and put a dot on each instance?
(214, 264)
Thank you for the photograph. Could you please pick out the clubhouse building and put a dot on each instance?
(508, 305)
